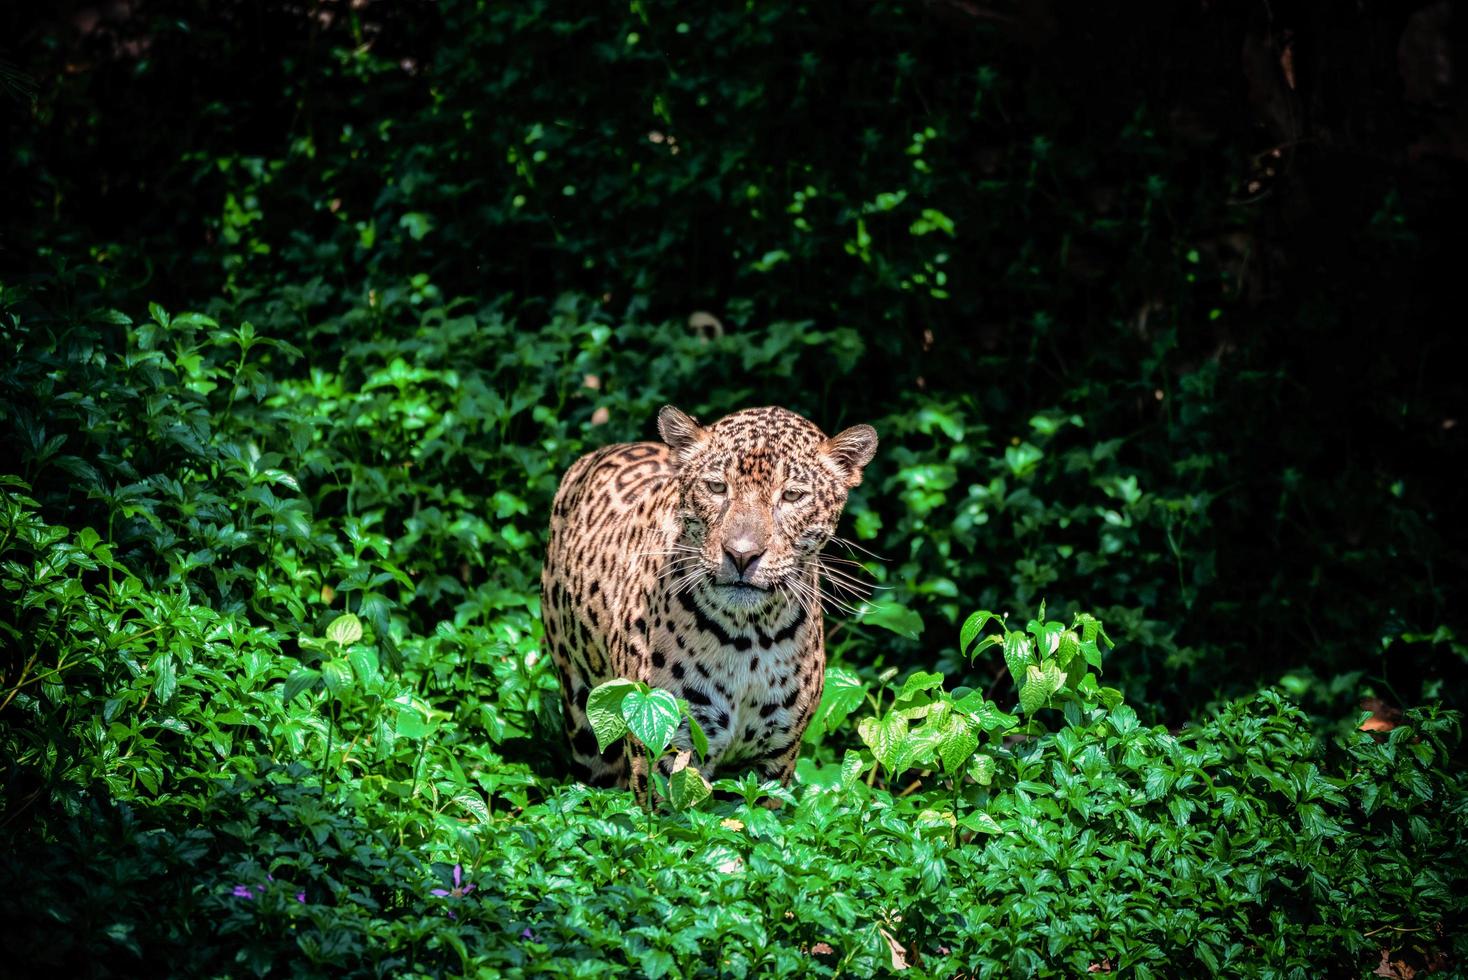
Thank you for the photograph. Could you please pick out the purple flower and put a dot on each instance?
(527, 934)
(249, 892)
(301, 897)
(459, 890)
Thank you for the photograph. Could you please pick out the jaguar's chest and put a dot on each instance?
(748, 680)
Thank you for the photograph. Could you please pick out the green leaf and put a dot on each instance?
(957, 743)
(656, 963)
(852, 767)
(604, 711)
(980, 822)
(695, 731)
(300, 679)
(1017, 655)
(345, 630)
(652, 716)
(476, 806)
(883, 736)
(1091, 629)
(1053, 676)
(414, 717)
(336, 675)
(986, 713)
(971, 629)
(687, 788)
(1047, 635)
(364, 662)
(165, 677)
(843, 693)
(982, 769)
(1033, 693)
(1070, 645)
(914, 748)
(918, 682)
(893, 616)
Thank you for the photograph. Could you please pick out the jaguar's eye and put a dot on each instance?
(793, 495)
(716, 487)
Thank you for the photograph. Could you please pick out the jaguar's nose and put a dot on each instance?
(743, 553)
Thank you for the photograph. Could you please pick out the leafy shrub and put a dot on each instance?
(212, 766)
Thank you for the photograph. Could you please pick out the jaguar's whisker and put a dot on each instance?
(853, 547)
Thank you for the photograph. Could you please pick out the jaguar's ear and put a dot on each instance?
(850, 450)
(681, 432)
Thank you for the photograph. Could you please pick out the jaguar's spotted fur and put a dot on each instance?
(691, 565)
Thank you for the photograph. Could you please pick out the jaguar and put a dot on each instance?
(695, 565)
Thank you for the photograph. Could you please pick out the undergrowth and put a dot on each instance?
(272, 702)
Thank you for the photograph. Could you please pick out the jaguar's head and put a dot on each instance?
(760, 492)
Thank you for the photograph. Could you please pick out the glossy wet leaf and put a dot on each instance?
(604, 711)
(652, 716)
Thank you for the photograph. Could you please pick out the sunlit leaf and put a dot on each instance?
(652, 716)
(687, 788)
(345, 630)
(604, 711)
(893, 616)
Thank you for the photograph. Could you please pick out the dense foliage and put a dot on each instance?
(272, 698)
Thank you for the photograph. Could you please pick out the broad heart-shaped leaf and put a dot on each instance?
(985, 713)
(915, 747)
(957, 743)
(920, 681)
(843, 693)
(971, 629)
(653, 717)
(1091, 629)
(893, 616)
(336, 675)
(1034, 692)
(1066, 651)
(1047, 635)
(883, 736)
(687, 788)
(604, 711)
(852, 766)
(1053, 676)
(345, 630)
(1017, 655)
(300, 679)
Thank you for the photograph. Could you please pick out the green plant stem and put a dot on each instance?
(330, 730)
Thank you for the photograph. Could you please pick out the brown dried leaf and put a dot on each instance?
(898, 951)
(1397, 969)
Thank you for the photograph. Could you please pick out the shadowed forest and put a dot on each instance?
(1159, 661)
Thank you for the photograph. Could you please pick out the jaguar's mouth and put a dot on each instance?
(743, 587)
